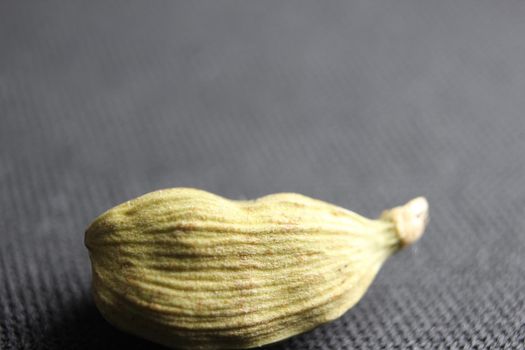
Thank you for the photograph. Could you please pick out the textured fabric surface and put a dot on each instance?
(365, 104)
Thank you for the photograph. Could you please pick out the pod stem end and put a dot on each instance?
(410, 220)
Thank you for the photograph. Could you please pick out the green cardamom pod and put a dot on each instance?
(189, 269)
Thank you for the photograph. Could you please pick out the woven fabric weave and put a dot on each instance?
(365, 104)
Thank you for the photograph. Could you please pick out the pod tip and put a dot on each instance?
(410, 219)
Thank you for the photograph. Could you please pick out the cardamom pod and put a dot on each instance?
(189, 269)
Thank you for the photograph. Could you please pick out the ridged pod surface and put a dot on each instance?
(189, 269)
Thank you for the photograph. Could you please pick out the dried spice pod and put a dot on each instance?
(189, 269)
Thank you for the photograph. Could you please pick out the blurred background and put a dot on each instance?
(363, 104)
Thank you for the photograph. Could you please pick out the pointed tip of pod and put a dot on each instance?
(410, 219)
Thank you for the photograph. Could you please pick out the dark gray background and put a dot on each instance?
(362, 103)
